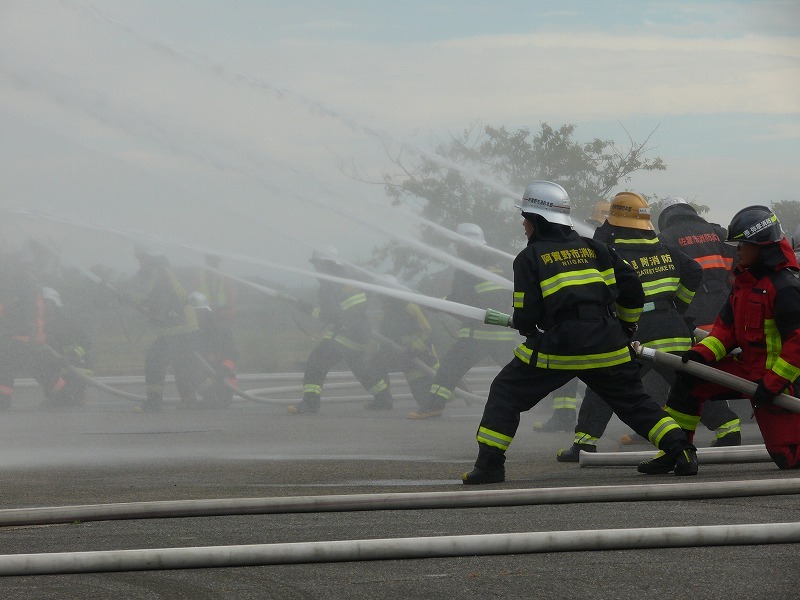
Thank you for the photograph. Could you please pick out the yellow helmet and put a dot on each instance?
(629, 209)
(599, 212)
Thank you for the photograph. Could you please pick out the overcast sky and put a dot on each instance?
(222, 125)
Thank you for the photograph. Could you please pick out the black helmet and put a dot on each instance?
(756, 225)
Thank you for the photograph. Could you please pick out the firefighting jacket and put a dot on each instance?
(762, 317)
(473, 291)
(705, 243)
(218, 289)
(343, 310)
(669, 278)
(162, 299)
(406, 324)
(566, 291)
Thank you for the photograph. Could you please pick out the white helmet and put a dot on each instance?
(49, 293)
(671, 201)
(548, 200)
(199, 301)
(326, 254)
(471, 231)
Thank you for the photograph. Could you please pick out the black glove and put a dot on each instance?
(694, 356)
(763, 396)
(629, 329)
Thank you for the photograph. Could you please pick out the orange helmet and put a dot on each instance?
(599, 212)
(629, 209)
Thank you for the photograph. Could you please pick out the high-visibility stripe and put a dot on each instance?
(442, 392)
(493, 438)
(523, 353)
(774, 344)
(312, 388)
(684, 294)
(378, 387)
(686, 422)
(585, 438)
(519, 299)
(662, 428)
(714, 261)
(353, 300)
(348, 343)
(676, 344)
(659, 286)
(785, 370)
(732, 426)
(636, 241)
(715, 346)
(630, 315)
(487, 286)
(564, 403)
(585, 361)
(585, 276)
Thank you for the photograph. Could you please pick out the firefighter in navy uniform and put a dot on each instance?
(161, 298)
(475, 341)
(565, 399)
(578, 303)
(220, 292)
(669, 279)
(406, 325)
(343, 309)
(762, 317)
(680, 225)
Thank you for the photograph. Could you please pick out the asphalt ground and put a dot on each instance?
(105, 452)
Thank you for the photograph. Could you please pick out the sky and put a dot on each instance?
(231, 127)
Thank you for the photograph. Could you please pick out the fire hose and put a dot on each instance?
(748, 388)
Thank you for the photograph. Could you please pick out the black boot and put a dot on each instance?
(732, 439)
(683, 462)
(154, 403)
(488, 467)
(573, 453)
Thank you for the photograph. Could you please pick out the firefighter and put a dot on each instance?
(343, 310)
(22, 330)
(565, 399)
(761, 317)
(475, 341)
(669, 278)
(162, 299)
(679, 224)
(220, 294)
(578, 303)
(408, 332)
(71, 345)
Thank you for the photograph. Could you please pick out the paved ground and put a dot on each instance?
(104, 452)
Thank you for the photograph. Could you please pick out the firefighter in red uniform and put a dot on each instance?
(578, 303)
(762, 317)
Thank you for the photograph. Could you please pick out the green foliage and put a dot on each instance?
(448, 195)
(788, 213)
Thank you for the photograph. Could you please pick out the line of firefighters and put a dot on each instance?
(676, 281)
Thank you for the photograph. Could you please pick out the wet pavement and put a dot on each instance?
(107, 453)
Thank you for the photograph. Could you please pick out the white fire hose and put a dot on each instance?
(713, 375)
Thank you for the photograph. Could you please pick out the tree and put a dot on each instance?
(454, 185)
(788, 213)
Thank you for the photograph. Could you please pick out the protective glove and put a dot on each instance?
(494, 317)
(629, 329)
(763, 395)
(694, 356)
(74, 355)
